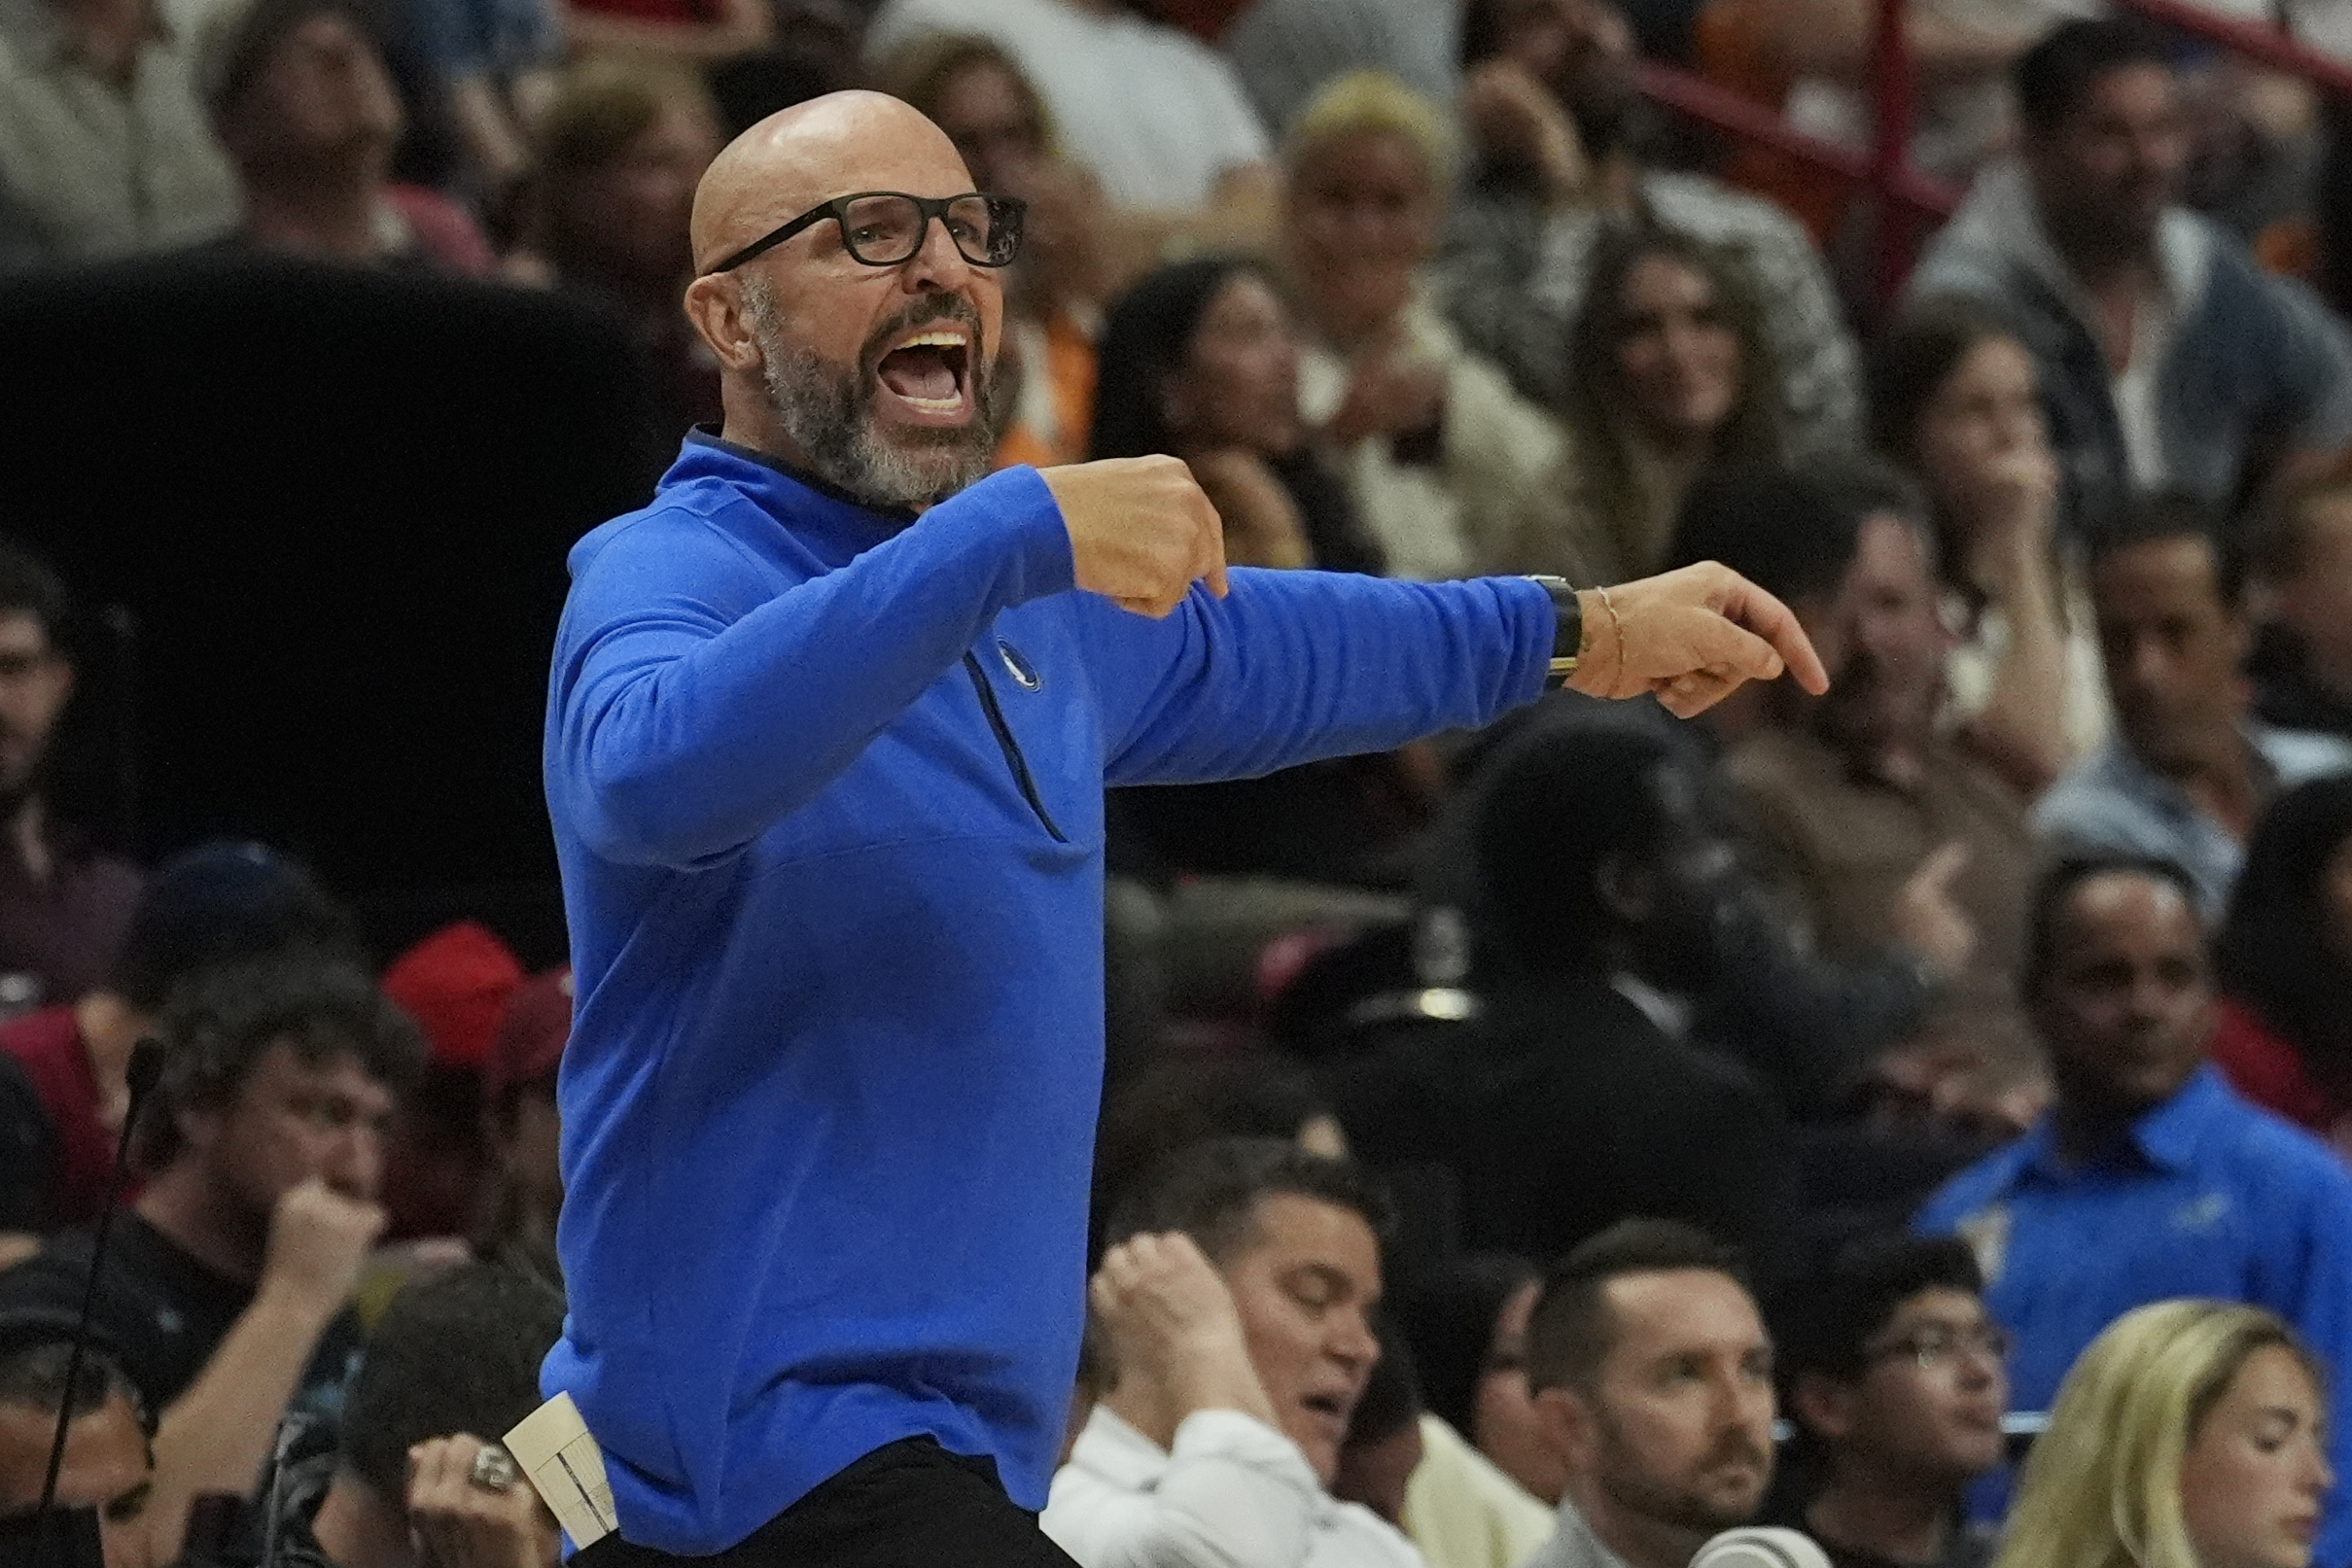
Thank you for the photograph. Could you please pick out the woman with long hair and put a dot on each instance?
(2284, 960)
(1200, 360)
(1671, 376)
(2190, 1435)
(1955, 399)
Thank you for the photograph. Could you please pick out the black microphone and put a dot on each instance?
(139, 1075)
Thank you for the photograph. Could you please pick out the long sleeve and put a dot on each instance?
(707, 681)
(1231, 1493)
(1294, 666)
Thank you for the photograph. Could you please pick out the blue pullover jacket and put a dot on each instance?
(828, 795)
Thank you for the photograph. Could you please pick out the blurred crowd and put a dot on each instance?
(1918, 1116)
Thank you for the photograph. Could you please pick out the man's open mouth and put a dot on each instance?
(929, 371)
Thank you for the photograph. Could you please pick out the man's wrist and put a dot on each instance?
(1567, 629)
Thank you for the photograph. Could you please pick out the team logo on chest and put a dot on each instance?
(1017, 665)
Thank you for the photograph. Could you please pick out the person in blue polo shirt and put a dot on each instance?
(828, 733)
(2148, 1178)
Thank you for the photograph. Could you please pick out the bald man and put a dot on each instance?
(827, 735)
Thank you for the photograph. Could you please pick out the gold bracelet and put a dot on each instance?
(1617, 626)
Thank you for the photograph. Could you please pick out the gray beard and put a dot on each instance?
(828, 413)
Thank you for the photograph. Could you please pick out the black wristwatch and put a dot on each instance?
(1567, 629)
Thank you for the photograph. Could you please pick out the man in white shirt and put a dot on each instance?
(1653, 1379)
(1234, 1305)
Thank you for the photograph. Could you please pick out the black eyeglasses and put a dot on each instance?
(1933, 1346)
(885, 228)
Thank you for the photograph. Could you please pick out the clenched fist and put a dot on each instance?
(319, 1241)
(1141, 532)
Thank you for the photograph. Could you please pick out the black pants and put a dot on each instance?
(909, 1504)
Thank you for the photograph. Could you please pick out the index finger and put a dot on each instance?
(1746, 604)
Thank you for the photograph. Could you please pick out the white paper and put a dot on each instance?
(554, 1449)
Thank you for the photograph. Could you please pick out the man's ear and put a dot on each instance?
(716, 307)
(1569, 1427)
(1824, 1406)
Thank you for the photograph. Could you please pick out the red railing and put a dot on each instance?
(1906, 201)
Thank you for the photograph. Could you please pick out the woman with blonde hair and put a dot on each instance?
(2190, 1435)
(1436, 449)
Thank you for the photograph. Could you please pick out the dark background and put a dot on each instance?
(317, 518)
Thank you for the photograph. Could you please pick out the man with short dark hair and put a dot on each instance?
(1653, 1379)
(2186, 774)
(2169, 359)
(1882, 827)
(63, 902)
(107, 1463)
(1896, 1381)
(214, 904)
(1235, 1306)
(1566, 1104)
(226, 1283)
(449, 1371)
(304, 102)
(2301, 562)
(2148, 1178)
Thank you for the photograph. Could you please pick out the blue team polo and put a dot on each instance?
(2204, 1196)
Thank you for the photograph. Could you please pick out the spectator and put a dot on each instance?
(104, 151)
(2186, 774)
(456, 1356)
(1073, 247)
(525, 1193)
(1877, 823)
(64, 904)
(225, 1282)
(1235, 1302)
(1156, 115)
(2284, 965)
(1434, 445)
(306, 105)
(1653, 1378)
(1670, 374)
(1955, 399)
(215, 904)
(455, 984)
(2148, 1178)
(1285, 51)
(2301, 663)
(1565, 1107)
(2168, 359)
(606, 221)
(1556, 130)
(1200, 360)
(1896, 1384)
(109, 1463)
(2191, 1433)
(1468, 1328)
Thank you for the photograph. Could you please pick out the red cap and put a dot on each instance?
(531, 1041)
(456, 984)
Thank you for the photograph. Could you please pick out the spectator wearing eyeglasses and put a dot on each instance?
(1896, 1378)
